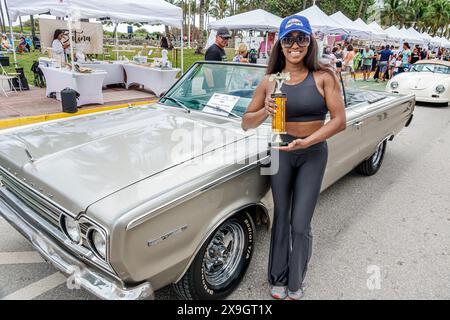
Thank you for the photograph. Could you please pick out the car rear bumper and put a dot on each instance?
(80, 274)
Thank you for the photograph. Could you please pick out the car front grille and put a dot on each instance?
(35, 202)
(45, 209)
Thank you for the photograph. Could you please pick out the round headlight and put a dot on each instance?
(98, 243)
(71, 228)
(394, 84)
(440, 88)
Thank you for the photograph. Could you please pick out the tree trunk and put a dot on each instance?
(3, 21)
(201, 19)
(304, 4)
(33, 30)
(361, 2)
(365, 8)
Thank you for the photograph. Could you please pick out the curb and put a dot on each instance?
(9, 123)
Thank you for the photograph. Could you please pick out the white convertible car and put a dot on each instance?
(428, 80)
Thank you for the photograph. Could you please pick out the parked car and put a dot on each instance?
(428, 80)
(132, 200)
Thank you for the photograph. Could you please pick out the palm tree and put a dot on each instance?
(438, 16)
(394, 11)
(220, 9)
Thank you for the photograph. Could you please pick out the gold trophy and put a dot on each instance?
(279, 118)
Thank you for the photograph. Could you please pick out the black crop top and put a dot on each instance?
(304, 101)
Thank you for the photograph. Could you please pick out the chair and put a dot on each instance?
(9, 77)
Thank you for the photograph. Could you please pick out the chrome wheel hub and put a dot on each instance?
(224, 253)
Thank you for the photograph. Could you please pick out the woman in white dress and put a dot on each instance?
(59, 48)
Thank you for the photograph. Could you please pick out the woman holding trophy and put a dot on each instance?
(305, 91)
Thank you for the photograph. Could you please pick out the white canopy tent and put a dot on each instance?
(378, 31)
(355, 29)
(374, 35)
(151, 12)
(427, 37)
(321, 22)
(443, 42)
(256, 20)
(418, 35)
(394, 33)
(407, 36)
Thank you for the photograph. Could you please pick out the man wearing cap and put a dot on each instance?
(215, 78)
(216, 51)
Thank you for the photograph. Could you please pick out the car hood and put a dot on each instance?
(419, 80)
(80, 161)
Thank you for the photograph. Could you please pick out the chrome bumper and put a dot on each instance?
(80, 274)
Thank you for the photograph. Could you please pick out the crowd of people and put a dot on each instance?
(385, 60)
(25, 44)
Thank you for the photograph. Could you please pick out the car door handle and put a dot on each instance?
(358, 124)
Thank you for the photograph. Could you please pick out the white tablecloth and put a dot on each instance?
(115, 71)
(153, 79)
(88, 85)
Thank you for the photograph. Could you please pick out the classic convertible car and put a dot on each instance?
(129, 201)
(428, 80)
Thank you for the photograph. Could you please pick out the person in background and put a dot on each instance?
(164, 43)
(424, 54)
(22, 46)
(29, 42)
(348, 61)
(385, 57)
(216, 52)
(59, 48)
(328, 58)
(242, 54)
(5, 43)
(376, 63)
(214, 77)
(367, 57)
(415, 56)
(339, 54)
(406, 57)
(357, 60)
(262, 46)
(398, 65)
(392, 61)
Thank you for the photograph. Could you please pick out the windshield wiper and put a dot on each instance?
(429, 69)
(179, 103)
(221, 109)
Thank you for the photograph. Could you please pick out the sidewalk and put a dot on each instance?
(25, 107)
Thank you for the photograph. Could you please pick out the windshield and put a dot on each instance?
(203, 80)
(430, 67)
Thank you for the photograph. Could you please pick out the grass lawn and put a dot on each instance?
(25, 60)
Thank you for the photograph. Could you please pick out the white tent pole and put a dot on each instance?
(267, 45)
(182, 49)
(189, 24)
(69, 22)
(12, 33)
(116, 42)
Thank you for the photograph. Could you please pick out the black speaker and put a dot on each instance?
(69, 100)
(4, 61)
(23, 81)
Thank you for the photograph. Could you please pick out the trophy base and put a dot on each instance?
(277, 141)
(278, 144)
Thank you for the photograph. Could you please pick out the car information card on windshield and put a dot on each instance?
(221, 104)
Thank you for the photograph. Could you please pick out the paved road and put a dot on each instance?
(391, 230)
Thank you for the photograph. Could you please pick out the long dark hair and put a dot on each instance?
(277, 60)
(57, 33)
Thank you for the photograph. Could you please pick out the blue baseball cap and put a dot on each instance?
(294, 23)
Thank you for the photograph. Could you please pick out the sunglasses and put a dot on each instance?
(301, 41)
